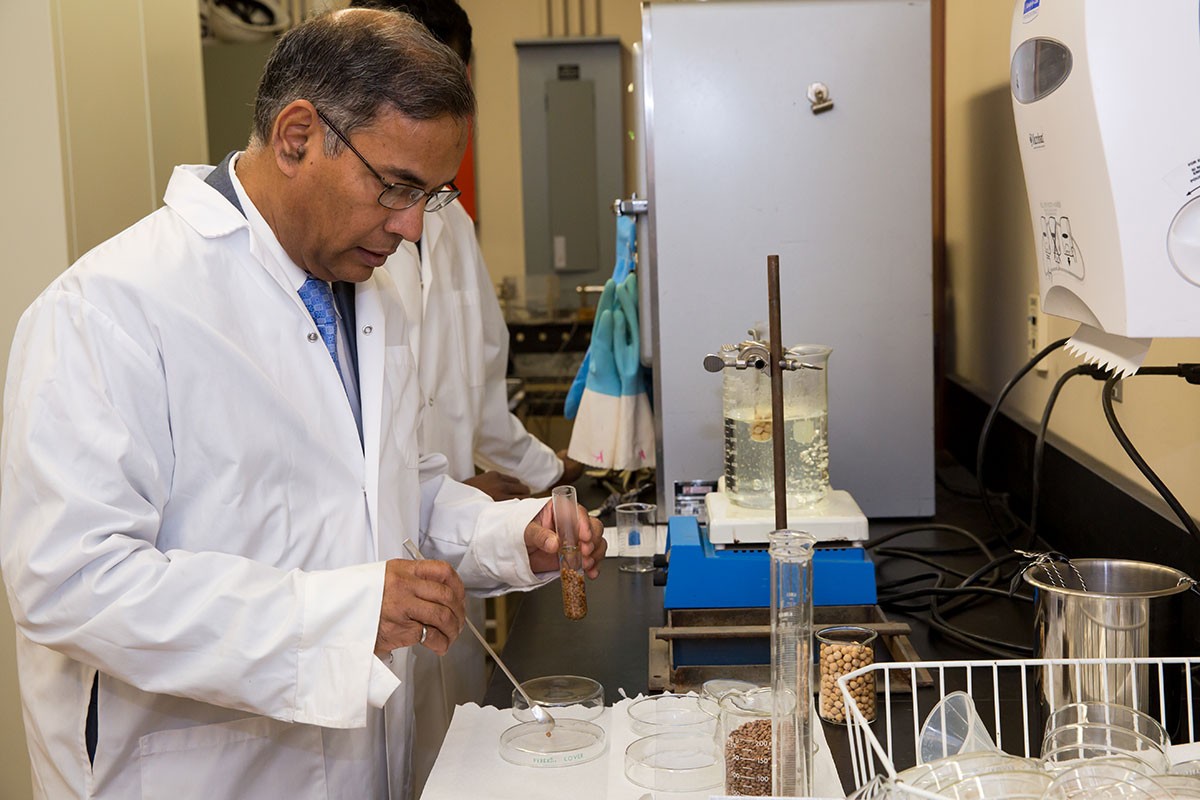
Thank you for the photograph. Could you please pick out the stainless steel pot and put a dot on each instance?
(1124, 612)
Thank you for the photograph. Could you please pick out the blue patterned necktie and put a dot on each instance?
(318, 299)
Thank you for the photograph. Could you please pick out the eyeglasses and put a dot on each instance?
(399, 196)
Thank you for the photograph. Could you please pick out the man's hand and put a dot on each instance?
(542, 541)
(572, 469)
(420, 594)
(499, 486)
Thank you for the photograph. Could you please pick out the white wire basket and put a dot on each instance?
(1012, 697)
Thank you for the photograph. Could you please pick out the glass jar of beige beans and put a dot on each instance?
(843, 649)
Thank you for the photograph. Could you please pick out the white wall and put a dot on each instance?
(33, 223)
(991, 271)
(102, 99)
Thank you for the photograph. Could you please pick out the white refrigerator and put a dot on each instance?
(740, 163)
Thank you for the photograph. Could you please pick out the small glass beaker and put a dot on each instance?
(746, 736)
(749, 452)
(636, 536)
(843, 649)
(570, 559)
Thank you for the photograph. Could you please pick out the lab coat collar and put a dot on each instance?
(200, 205)
(434, 225)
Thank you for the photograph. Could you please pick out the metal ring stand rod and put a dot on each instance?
(776, 367)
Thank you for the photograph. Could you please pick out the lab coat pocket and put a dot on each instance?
(253, 757)
(470, 335)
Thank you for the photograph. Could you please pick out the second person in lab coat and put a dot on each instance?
(461, 342)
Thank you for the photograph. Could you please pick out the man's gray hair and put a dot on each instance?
(352, 64)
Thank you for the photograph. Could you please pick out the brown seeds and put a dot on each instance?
(748, 759)
(574, 593)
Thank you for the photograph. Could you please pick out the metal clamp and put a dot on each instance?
(632, 205)
(751, 354)
(819, 97)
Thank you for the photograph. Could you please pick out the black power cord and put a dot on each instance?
(1039, 446)
(986, 431)
(1191, 373)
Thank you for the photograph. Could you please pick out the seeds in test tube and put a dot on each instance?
(574, 593)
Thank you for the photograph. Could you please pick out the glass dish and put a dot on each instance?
(671, 712)
(1011, 785)
(675, 762)
(1087, 740)
(572, 741)
(1102, 779)
(712, 690)
(1111, 714)
(564, 696)
(944, 772)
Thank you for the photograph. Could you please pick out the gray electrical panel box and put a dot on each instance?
(572, 162)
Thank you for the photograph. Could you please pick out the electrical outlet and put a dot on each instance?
(1035, 330)
(1032, 311)
(1118, 391)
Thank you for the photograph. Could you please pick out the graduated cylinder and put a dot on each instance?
(791, 555)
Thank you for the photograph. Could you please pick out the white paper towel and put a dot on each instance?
(469, 764)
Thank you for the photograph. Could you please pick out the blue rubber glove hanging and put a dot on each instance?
(626, 244)
(615, 428)
(575, 393)
(627, 353)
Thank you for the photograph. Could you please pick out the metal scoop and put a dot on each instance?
(540, 714)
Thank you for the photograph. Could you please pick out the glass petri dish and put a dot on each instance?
(670, 712)
(564, 696)
(572, 741)
(711, 692)
(686, 761)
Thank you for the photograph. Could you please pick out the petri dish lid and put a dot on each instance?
(675, 762)
(564, 696)
(666, 712)
(572, 741)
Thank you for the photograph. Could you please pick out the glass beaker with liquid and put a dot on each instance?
(749, 451)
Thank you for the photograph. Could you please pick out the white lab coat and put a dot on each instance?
(463, 356)
(187, 511)
(461, 340)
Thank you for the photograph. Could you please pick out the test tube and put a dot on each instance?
(570, 559)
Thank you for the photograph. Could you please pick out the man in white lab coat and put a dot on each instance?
(209, 461)
(460, 340)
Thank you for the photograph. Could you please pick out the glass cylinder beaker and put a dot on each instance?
(791, 554)
(749, 453)
(570, 559)
(636, 536)
(746, 736)
(843, 649)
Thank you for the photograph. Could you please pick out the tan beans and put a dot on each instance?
(574, 593)
(760, 429)
(748, 759)
(836, 661)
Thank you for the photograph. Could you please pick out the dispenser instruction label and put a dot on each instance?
(1060, 250)
(1031, 9)
(1185, 178)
